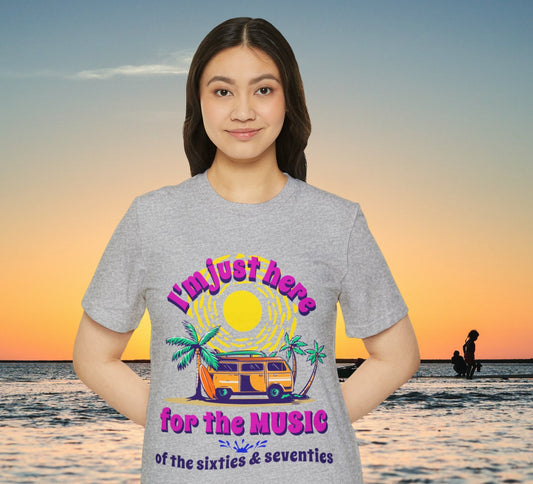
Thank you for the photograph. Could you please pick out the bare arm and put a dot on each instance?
(96, 359)
(393, 359)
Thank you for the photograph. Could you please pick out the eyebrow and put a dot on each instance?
(228, 80)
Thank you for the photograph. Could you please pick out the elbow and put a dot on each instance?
(407, 369)
(84, 361)
(78, 362)
(413, 363)
(87, 350)
(87, 367)
(411, 351)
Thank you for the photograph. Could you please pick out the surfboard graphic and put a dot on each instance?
(207, 382)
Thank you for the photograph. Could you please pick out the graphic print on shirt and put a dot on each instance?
(237, 331)
(245, 316)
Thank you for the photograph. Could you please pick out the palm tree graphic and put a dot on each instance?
(315, 357)
(292, 347)
(194, 346)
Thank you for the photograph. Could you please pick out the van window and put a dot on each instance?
(252, 366)
(227, 367)
(277, 366)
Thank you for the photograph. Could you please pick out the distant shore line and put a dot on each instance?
(346, 361)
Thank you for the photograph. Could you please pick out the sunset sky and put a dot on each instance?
(421, 111)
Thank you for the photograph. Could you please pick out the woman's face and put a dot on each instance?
(243, 105)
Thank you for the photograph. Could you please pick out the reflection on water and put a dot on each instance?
(55, 430)
(94, 452)
(451, 431)
(433, 429)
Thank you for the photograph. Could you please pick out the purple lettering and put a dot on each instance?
(237, 426)
(306, 305)
(224, 270)
(308, 422)
(195, 285)
(295, 423)
(321, 421)
(165, 416)
(299, 291)
(298, 422)
(259, 425)
(215, 287)
(272, 275)
(176, 300)
(253, 264)
(190, 421)
(239, 270)
(209, 418)
(176, 423)
(279, 422)
(222, 424)
(286, 283)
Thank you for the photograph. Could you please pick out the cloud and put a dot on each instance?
(174, 65)
(130, 71)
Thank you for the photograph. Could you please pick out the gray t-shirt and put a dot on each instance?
(242, 301)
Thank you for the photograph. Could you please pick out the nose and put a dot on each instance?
(242, 109)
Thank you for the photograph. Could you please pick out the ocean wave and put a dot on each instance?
(56, 430)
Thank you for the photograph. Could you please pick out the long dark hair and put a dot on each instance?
(472, 334)
(262, 35)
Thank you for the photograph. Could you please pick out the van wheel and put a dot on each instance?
(275, 392)
(223, 393)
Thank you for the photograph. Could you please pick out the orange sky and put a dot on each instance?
(421, 115)
(452, 283)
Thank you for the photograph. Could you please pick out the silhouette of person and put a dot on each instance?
(469, 350)
(459, 364)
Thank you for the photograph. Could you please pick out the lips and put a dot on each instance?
(243, 133)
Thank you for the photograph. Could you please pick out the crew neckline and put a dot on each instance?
(248, 208)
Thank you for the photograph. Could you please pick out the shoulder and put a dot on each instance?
(174, 198)
(319, 195)
(326, 204)
(168, 193)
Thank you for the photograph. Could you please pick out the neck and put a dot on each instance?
(246, 182)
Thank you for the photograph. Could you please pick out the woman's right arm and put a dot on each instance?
(97, 362)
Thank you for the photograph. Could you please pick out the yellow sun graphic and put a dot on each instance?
(250, 314)
(242, 311)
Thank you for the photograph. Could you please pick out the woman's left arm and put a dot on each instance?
(393, 359)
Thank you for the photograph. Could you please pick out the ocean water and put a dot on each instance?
(436, 428)
(451, 430)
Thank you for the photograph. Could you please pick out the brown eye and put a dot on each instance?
(222, 92)
(264, 91)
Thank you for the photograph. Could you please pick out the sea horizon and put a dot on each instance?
(338, 360)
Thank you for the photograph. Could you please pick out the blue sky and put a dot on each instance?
(421, 110)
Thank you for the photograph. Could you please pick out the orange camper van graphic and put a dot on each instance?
(248, 375)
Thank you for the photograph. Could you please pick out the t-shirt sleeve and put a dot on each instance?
(369, 298)
(115, 297)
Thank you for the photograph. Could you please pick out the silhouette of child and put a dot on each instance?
(469, 350)
(459, 364)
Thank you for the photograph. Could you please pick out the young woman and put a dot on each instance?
(469, 350)
(241, 268)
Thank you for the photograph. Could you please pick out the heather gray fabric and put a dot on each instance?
(262, 278)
